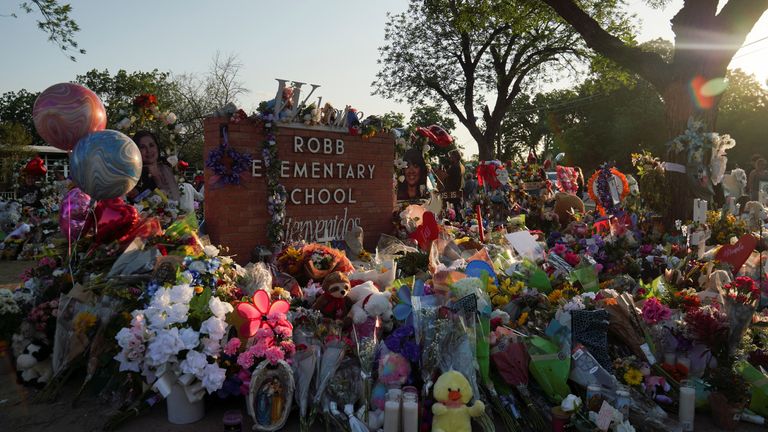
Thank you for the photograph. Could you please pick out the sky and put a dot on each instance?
(332, 43)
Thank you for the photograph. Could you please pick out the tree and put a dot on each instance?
(16, 108)
(462, 53)
(56, 21)
(743, 114)
(705, 42)
(222, 84)
(14, 142)
(427, 115)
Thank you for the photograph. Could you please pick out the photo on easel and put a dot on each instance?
(412, 180)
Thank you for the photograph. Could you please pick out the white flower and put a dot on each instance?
(181, 293)
(125, 123)
(214, 327)
(211, 251)
(161, 299)
(178, 313)
(125, 364)
(186, 277)
(425, 149)
(571, 403)
(212, 377)
(58, 272)
(190, 338)
(194, 363)
(170, 118)
(211, 347)
(165, 345)
(198, 266)
(219, 308)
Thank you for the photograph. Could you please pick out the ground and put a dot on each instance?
(17, 413)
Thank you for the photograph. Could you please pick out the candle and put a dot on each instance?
(392, 411)
(410, 410)
(684, 361)
(687, 405)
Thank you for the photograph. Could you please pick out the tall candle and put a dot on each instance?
(410, 411)
(480, 230)
(685, 361)
(392, 411)
(669, 358)
(687, 405)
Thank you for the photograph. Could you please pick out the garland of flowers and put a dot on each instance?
(602, 197)
(241, 162)
(276, 194)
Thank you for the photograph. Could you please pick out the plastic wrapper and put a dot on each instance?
(587, 371)
(549, 367)
(390, 247)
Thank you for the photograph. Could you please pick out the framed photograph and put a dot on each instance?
(412, 180)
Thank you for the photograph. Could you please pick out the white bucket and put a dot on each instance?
(180, 409)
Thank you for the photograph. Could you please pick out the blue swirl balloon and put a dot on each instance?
(106, 164)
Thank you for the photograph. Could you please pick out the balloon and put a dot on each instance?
(64, 113)
(114, 219)
(106, 164)
(36, 167)
(73, 213)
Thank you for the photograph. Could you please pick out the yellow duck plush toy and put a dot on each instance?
(452, 393)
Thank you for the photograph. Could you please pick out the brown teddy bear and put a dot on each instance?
(333, 303)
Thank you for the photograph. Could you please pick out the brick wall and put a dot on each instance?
(236, 216)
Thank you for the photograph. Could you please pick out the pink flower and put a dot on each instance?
(245, 360)
(288, 347)
(274, 354)
(572, 258)
(232, 346)
(655, 312)
(559, 249)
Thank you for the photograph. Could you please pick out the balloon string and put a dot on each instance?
(91, 211)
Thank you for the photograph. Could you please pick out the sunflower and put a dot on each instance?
(633, 377)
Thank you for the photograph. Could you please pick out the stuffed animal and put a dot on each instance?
(754, 213)
(334, 302)
(369, 302)
(451, 413)
(327, 114)
(394, 370)
(566, 205)
(34, 364)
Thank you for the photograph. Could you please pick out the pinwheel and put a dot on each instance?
(249, 317)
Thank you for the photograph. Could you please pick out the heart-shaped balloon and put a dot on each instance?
(73, 213)
(738, 253)
(36, 167)
(114, 219)
(427, 232)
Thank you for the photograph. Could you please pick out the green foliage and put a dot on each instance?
(393, 120)
(475, 57)
(55, 20)
(731, 384)
(16, 107)
(426, 115)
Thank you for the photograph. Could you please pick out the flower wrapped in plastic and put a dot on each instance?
(741, 297)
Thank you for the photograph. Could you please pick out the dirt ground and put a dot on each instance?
(17, 413)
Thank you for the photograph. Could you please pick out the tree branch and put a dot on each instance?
(648, 65)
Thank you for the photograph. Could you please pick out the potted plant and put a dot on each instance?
(728, 397)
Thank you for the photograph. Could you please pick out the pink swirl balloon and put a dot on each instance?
(73, 213)
(64, 113)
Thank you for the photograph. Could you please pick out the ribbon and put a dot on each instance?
(167, 377)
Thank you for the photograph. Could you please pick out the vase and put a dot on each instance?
(180, 409)
(724, 414)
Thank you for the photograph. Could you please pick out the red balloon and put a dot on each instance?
(114, 219)
(427, 232)
(64, 113)
(36, 167)
(436, 135)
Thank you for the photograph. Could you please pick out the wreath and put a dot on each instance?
(600, 190)
(223, 175)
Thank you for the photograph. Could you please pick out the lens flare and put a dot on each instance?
(703, 92)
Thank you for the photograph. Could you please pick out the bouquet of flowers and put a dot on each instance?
(741, 297)
(10, 314)
(177, 338)
(319, 261)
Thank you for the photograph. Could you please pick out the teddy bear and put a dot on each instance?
(34, 365)
(368, 301)
(327, 114)
(334, 303)
(452, 394)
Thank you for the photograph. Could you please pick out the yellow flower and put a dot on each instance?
(633, 377)
(293, 253)
(555, 296)
(516, 288)
(500, 300)
(84, 321)
(523, 319)
(492, 290)
(279, 293)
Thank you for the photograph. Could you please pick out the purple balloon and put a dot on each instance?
(73, 213)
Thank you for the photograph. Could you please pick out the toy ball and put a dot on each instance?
(106, 164)
(65, 113)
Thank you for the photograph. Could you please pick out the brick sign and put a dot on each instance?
(334, 182)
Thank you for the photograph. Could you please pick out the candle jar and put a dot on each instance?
(233, 421)
(410, 412)
(670, 358)
(687, 408)
(392, 411)
(684, 361)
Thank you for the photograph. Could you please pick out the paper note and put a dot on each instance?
(524, 244)
(604, 417)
